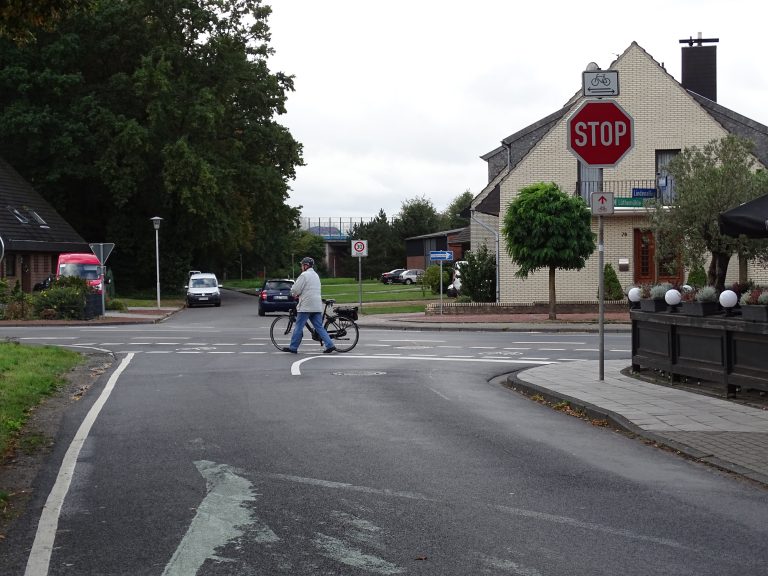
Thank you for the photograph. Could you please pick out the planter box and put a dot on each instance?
(723, 349)
(755, 313)
(700, 308)
(649, 305)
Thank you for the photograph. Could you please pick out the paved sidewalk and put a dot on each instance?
(729, 435)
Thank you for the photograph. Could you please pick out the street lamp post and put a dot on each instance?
(156, 223)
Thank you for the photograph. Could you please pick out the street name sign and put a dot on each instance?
(441, 256)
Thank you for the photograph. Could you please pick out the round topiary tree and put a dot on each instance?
(546, 228)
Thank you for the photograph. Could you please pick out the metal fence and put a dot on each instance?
(629, 192)
(333, 228)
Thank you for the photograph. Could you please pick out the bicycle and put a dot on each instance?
(339, 323)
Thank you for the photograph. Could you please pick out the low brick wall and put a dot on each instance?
(492, 308)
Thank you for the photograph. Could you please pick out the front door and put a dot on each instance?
(646, 269)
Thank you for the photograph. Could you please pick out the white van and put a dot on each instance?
(203, 289)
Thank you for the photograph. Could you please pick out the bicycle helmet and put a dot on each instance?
(308, 261)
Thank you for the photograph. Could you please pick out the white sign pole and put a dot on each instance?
(441, 287)
(601, 295)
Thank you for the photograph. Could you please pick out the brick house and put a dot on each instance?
(668, 116)
(32, 233)
(417, 248)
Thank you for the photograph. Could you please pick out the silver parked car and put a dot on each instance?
(410, 276)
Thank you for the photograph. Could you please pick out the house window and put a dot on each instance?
(10, 265)
(590, 180)
(664, 181)
(37, 218)
(19, 216)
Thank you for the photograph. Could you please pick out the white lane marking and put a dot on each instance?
(49, 338)
(341, 552)
(378, 345)
(253, 344)
(221, 517)
(518, 348)
(296, 366)
(482, 347)
(409, 340)
(440, 394)
(160, 352)
(224, 352)
(350, 487)
(446, 346)
(40, 555)
(562, 343)
(552, 349)
(585, 349)
(145, 337)
(565, 520)
(618, 350)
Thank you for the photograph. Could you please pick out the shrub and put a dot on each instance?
(754, 297)
(659, 290)
(611, 284)
(115, 304)
(478, 275)
(67, 301)
(706, 294)
(697, 277)
(432, 278)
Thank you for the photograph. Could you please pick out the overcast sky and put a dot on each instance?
(397, 99)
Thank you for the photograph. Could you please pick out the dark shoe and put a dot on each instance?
(329, 350)
(286, 349)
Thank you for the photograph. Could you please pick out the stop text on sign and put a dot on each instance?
(600, 133)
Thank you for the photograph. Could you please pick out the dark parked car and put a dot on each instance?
(392, 275)
(275, 296)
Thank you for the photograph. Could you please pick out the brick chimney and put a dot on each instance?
(699, 66)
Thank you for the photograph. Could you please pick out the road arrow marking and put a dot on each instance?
(222, 516)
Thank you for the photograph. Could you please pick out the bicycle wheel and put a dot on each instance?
(343, 332)
(280, 332)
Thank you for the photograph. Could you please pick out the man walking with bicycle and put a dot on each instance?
(307, 287)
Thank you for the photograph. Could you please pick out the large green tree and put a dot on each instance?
(545, 228)
(708, 181)
(451, 215)
(417, 216)
(20, 20)
(385, 249)
(143, 108)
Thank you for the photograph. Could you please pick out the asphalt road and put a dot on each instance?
(212, 453)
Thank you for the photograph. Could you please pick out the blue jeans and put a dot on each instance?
(317, 322)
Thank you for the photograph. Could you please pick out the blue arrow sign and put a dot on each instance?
(441, 255)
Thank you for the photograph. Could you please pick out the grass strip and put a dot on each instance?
(27, 375)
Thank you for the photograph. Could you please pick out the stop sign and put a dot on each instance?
(600, 132)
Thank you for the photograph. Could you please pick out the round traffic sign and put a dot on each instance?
(359, 246)
(600, 133)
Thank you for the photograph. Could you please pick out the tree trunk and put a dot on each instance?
(552, 295)
(718, 268)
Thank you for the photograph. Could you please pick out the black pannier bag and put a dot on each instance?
(346, 311)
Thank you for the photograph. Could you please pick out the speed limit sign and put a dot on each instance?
(359, 248)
